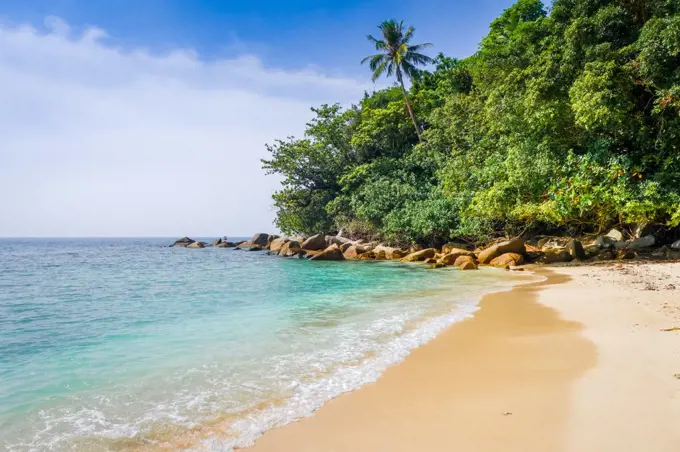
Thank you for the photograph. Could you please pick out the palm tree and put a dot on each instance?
(397, 57)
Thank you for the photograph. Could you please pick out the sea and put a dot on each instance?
(128, 344)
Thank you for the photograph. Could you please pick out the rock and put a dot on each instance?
(216, 242)
(342, 233)
(420, 255)
(183, 242)
(627, 254)
(332, 253)
(453, 254)
(661, 253)
(345, 246)
(676, 245)
(367, 256)
(606, 255)
(249, 246)
(592, 251)
(437, 265)
(429, 260)
(510, 246)
(450, 247)
(290, 248)
(390, 252)
(270, 239)
(335, 240)
(225, 244)
(415, 248)
(553, 257)
(315, 242)
(381, 255)
(642, 242)
(605, 242)
(468, 266)
(353, 251)
(260, 238)
(195, 244)
(503, 260)
(615, 235)
(575, 248)
(462, 260)
(276, 244)
(542, 242)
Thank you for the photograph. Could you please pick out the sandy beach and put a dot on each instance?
(577, 362)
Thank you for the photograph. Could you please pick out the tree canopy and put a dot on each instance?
(567, 118)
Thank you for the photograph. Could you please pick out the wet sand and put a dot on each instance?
(578, 362)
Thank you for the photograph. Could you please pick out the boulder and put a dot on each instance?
(615, 235)
(276, 244)
(381, 255)
(626, 254)
(315, 242)
(429, 260)
(367, 256)
(249, 246)
(510, 246)
(260, 239)
(332, 253)
(661, 253)
(415, 248)
(468, 266)
(605, 242)
(676, 245)
(453, 254)
(183, 242)
(575, 248)
(216, 242)
(450, 247)
(195, 244)
(465, 260)
(642, 242)
(507, 259)
(606, 255)
(437, 265)
(290, 248)
(345, 246)
(335, 240)
(553, 257)
(390, 252)
(420, 255)
(225, 244)
(353, 251)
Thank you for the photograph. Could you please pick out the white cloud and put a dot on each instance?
(100, 141)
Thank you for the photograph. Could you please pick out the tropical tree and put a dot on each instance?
(397, 57)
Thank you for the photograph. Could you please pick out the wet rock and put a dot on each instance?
(430, 260)
(183, 242)
(276, 244)
(196, 244)
(437, 265)
(626, 254)
(642, 242)
(469, 265)
(291, 248)
(249, 246)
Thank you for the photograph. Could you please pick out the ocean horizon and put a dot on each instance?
(128, 344)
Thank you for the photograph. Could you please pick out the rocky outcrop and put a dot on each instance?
(276, 244)
(642, 242)
(575, 249)
(465, 263)
(336, 240)
(196, 244)
(506, 259)
(290, 248)
(390, 252)
(332, 253)
(421, 255)
(225, 244)
(216, 242)
(315, 242)
(510, 246)
(183, 242)
(260, 239)
(453, 254)
(450, 247)
(249, 246)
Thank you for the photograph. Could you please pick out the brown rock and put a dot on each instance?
(468, 265)
(315, 242)
(626, 254)
(332, 253)
(381, 255)
(575, 249)
(345, 246)
(454, 254)
(510, 246)
(461, 260)
(249, 246)
(367, 256)
(420, 255)
(507, 259)
(451, 247)
(225, 244)
(276, 245)
(290, 248)
(354, 252)
(437, 265)
(552, 257)
(195, 244)
(430, 260)
(183, 242)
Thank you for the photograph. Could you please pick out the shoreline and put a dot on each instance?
(536, 368)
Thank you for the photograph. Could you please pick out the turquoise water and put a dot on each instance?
(115, 344)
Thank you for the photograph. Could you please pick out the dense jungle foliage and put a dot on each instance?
(567, 118)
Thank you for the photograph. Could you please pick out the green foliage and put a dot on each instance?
(563, 120)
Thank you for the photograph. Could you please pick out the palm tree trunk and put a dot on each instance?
(409, 107)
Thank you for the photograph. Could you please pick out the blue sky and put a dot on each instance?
(149, 117)
(285, 34)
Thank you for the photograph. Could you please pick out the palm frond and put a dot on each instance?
(408, 35)
(415, 48)
(379, 44)
(418, 58)
(379, 70)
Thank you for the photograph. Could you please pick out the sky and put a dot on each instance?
(149, 118)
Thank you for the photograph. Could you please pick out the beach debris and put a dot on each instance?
(507, 413)
(675, 328)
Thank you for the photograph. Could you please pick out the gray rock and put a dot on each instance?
(676, 245)
(642, 242)
(575, 248)
(605, 242)
(260, 239)
(183, 242)
(615, 234)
